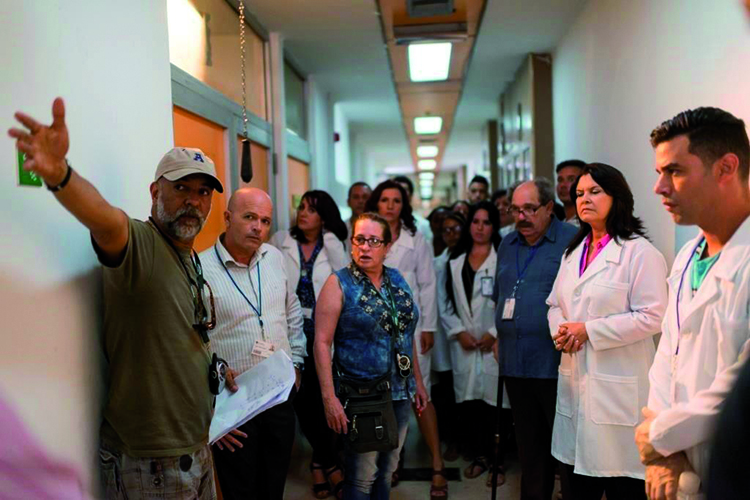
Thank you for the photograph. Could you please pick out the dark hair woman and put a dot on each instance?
(468, 318)
(412, 256)
(367, 311)
(621, 223)
(312, 250)
(606, 304)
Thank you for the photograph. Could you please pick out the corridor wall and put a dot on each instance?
(624, 67)
(110, 62)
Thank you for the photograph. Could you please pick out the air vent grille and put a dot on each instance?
(427, 8)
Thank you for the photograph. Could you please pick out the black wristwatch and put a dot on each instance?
(65, 180)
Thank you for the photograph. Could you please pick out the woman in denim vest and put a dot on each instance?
(363, 310)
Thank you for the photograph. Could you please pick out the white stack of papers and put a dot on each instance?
(262, 387)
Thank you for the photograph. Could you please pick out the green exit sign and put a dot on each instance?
(26, 178)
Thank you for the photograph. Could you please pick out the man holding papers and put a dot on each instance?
(257, 314)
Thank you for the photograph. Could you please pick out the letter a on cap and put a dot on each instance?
(199, 158)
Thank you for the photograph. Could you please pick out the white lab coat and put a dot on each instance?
(412, 256)
(475, 373)
(332, 257)
(441, 359)
(714, 343)
(601, 389)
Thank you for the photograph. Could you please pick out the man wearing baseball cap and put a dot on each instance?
(158, 409)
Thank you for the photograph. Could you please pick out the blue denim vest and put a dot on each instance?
(362, 342)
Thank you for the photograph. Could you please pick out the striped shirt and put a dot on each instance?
(237, 322)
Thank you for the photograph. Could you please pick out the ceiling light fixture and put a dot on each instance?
(429, 62)
(427, 151)
(426, 176)
(428, 124)
(427, 164)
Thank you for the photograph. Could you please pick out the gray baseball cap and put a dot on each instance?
(181, 162)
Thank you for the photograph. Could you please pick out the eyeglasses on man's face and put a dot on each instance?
(526, 210)
(373, 242)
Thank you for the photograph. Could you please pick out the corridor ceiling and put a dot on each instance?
(340, 43)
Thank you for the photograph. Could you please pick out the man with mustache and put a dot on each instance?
(703, 165)
(257, 313)
(527, 263)
(158, 408)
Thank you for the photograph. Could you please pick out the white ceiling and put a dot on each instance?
(340, 43)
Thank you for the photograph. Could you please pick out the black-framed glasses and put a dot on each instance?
(526, 210)
(372, 241)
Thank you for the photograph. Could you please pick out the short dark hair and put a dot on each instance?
(480, 179)
(402, 179)
(569, 163)
(621, 222)
(387, 236)
(498, 194)
(329, 214)
(406, 213)
(712, 133)
(458, 202)
(357, 184)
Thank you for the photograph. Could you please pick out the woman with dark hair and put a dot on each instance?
(467, 314)
(443, 396)
(462, 207)
(436, 225)
(313, 249)
(607, 302)
(412, 256)
(369, 314)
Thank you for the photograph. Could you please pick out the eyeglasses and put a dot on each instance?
(373, 242)
(202, 324)
(451, 230)
(527, 210)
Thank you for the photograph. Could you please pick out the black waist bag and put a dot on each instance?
(369, 408)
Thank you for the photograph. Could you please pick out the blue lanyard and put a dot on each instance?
(522, 272)
(679, 292)
(258, 310)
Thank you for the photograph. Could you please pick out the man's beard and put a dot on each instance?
(176, 227)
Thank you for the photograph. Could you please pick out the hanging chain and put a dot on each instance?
(242, 59)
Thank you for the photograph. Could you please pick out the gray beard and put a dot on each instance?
(175, 228)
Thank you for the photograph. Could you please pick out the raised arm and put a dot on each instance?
(46, 148)
(327, 312)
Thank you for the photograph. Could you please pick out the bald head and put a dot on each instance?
(248, 195)
(248, 222)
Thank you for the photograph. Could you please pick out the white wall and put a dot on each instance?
(624, 67)
(109, 60)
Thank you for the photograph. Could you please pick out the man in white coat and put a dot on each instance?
(703, 160)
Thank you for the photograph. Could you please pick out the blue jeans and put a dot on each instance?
(368, 475)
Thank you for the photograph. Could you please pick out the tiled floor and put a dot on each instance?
(298, 482)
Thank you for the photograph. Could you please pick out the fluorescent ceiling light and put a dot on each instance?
(428, 124)
(426, 176)
(427, 151)
(426, 182)
(429, 62)
(427, 164)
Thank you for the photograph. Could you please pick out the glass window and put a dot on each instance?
(204, 41)
(294, 88)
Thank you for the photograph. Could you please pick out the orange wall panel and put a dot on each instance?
(259, 155)
(192, 131)
(299, 182)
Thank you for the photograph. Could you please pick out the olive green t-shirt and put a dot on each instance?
(158, 403)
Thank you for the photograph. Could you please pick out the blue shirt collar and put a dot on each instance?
(551, 234)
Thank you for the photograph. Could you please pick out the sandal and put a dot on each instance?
(477, 468)
(337, 490)
(500, 477)
(439, 492)
(320, 490)
(394, 479)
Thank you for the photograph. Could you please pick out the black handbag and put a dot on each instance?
(369, 408)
